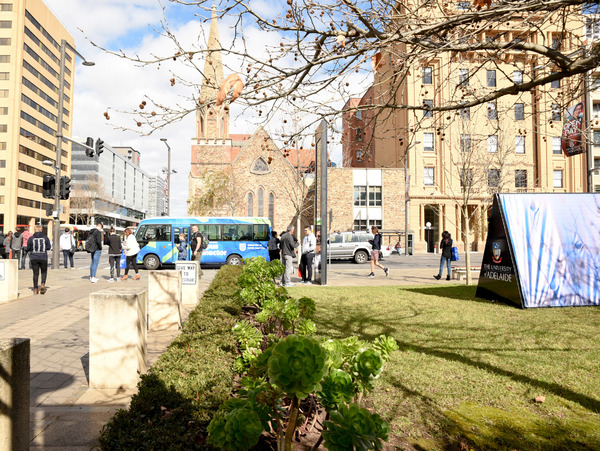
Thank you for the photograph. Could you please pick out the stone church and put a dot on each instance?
(263, 179)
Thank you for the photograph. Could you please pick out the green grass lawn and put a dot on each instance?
(468, 371)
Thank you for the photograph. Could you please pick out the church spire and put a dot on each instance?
(213, 63)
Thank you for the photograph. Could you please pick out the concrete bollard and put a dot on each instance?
(9, 280)
(118, 337)
(190, 276)
(164, 300)
(14, 394)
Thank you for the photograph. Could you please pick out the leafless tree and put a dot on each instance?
(83, 196)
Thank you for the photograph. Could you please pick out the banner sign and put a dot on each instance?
(548, 245)
(572, 137)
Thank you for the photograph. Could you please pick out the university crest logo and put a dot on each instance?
(496, 252)
(242, 247)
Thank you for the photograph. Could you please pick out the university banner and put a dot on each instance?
(543, 250)
(572, 135)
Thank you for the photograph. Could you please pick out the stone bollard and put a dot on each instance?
(9, 280)
(190, 276)
(118, 337)
(164, 300)
(14, 394)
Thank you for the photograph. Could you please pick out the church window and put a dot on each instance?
(223, 127)
(271, 208)
(260, 202)
(250, 204)
(260, 166)
(202, 125)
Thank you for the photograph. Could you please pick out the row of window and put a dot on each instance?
(45, 49)
(260, 205)
(38, 156)
(465, 113)
(47, 35)
(464, 77)
(465, 143)
(466, 178)
(374, 196)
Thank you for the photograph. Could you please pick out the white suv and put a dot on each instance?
(353, 245)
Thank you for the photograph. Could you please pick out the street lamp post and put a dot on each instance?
(406, 199)
(59, 139)
(168, 175)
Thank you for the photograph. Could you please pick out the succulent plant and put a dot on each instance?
(337, 386)
(307, 307)
(297, 365)
(236, 426)
(340, 352)
(354, 428)
(385, 345)
(305, 326)
(247, 335)
(366, 366)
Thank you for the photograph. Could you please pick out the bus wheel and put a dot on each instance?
(234, 259)
(151, 262)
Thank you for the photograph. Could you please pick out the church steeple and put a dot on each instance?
(212, 122)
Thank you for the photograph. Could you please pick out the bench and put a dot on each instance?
(461, 272)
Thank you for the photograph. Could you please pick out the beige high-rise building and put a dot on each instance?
(30, 41)
(456, 160)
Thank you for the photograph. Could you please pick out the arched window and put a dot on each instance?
(250, 204)
(223, 127)
(260, 166)
(260, 202)
(271, 208)
(202, 126)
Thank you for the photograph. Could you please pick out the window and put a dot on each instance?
(237, 232)
(466, 178)
(492, 111)
(596, 109)
(360, 196)
(493, 178)
(595, 84)
(359, 224)
(2, 181)
(557, 178)
(5, 41)
(3, 110)
(358, 114)
(5, 23)
(155, 232)
(465, 143)
(465, 113)
(556, 145)
(4, 58)
(3, 128)
(427, 104)
(261, 232)
(555, 84)
(519, 112)
(212, 231)
(260, 202)
(359, 134)
(428, 142)
(429, 176)
(2, 163)
(427, 78)
(3, 145)
(519, 144)
(374, 196)
(556, 115)
(359, 155)
(250, 204)
(491, 78)
(521, 178)
(556, 43)
(596, 138)
(260, 166)
(6, 7)
(271, 208)
(463, 77)
(517, 77)
(3, 93)
(493, 143)
(596, 163)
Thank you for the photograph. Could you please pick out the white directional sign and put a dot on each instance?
(188, 273)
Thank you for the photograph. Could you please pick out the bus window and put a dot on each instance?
(177, 231)
(156, 232)
(212, 231)
(237, 232)
(261, 232)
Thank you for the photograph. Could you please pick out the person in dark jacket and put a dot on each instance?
(446, 251)
(376, 244)
(273, 247)
(114, 254)
(288, 244)
(97, 234)
(16, 244)
(38, 246)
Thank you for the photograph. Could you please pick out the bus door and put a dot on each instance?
(155, 239)
(177, 243)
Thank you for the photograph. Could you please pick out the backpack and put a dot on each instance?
(90, 244)
(205, 241)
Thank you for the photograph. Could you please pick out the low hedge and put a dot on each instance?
(181, 392)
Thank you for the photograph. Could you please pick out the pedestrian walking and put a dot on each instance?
(289, 243)
(182, 247)
(6, 243)
(96, 252)
(376, 244)
(197, 246)
(446, 257)
(273, 247)
(38, 246)
(114, 255)
(67, 246)
(16, 243)
(24, 250)
(309, 244)
(132, 248)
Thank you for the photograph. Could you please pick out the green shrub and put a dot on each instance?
(354, 428)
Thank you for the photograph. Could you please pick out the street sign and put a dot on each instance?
(188, 273)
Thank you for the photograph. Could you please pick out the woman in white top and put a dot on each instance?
(132, 248)
(67, 246)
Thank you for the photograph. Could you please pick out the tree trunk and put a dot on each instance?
(467, 233)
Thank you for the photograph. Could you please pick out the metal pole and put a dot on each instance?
(405, 204)
(588, 132)
(169, 181)
(59, 122)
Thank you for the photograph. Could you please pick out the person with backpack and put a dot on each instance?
(114, 254)
(376, 244)
(197, 244)
(67, 246)
(38, 246)
(446, 257)
(16, 243)
(132, 248)
(93, 245)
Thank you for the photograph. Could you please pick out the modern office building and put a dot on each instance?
(158, 197)
(110, 187)
(30, 42)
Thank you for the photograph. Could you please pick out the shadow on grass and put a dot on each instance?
(461, 293)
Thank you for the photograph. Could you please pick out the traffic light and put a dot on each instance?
(48, 210)
(89, 143)
(99, 146)
(48, 187)
(65, 187)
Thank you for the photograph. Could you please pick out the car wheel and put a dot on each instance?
(361, 257)
(234, 259)
(151, 262)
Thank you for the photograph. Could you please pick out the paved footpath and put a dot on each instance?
(65, 414)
